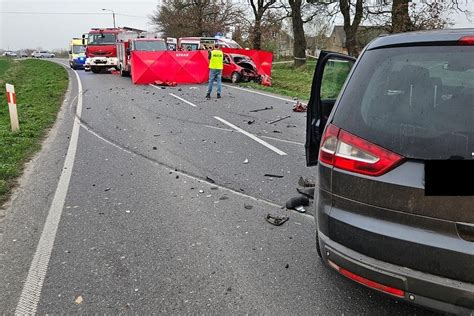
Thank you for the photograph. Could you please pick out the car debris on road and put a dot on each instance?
(296, 203)
(273, 175)
(276, 220)
(300, 107)
(264, 109)
(279, 119)
(305, 182)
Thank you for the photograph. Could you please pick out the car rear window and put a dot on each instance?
(415, 101)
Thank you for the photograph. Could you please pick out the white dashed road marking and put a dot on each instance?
(181, 99)
(283, 140)
(252, 136)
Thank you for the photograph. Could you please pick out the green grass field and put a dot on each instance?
(40, 87)
(296, 82)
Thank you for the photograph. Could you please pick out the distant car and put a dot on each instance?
(42, 54)
(239, 68)
(10, 54)
(23, 54)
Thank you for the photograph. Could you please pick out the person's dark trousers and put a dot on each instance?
(215, 74)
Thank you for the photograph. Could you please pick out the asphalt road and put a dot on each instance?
(143, 231)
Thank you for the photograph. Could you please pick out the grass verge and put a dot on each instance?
(296, 82)
(288, 80)
(40, 87)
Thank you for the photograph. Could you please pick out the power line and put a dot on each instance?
(68, 13)
(52, 13)
(132, 16)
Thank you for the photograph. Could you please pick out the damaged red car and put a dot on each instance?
(239, 68)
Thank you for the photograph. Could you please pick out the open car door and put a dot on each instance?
(331, 72)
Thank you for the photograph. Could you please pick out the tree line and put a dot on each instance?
(253, 22)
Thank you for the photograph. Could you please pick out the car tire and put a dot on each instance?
(235, 77)
(96, 70)
(123, 73)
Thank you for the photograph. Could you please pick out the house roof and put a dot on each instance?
(364, 33)
(338, 31)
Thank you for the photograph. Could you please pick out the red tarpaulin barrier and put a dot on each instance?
(169, 66)
(262, 59)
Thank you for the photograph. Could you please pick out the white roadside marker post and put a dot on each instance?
(11, 100)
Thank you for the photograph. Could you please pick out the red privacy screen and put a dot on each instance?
(186, 67)
(169, 66)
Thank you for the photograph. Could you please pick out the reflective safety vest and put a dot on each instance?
(217, 60)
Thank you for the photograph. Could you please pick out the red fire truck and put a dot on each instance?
(125, 50)
(101, 51)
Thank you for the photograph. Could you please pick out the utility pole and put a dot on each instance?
(113, 15)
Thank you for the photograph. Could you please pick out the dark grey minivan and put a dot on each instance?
(381, 137)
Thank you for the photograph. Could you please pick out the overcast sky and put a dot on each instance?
(53, 31)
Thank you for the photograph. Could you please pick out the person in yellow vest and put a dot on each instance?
(216, 64)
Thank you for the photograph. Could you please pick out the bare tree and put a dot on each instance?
(299, 47)
(353, 12)
(432, 15)
(401, 21)
(259, 9)
(407, 15)
(351, 28)
(178, 18)
(301, 12)
(399, 16)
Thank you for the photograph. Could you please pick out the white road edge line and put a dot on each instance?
(257, 92)
(30, 295)
(252, 136)
(283, 140)
(185, 101)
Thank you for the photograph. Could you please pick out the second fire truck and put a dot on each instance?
(101, 51)
(125, 50)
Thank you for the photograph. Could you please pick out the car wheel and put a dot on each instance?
(123, 73)
(236, 77)
(96, 70)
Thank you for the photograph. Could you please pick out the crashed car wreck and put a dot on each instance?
(239, 68)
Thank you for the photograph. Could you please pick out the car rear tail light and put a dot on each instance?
(329, 144)
(369, 283)
(349, 152)
(466, 40)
